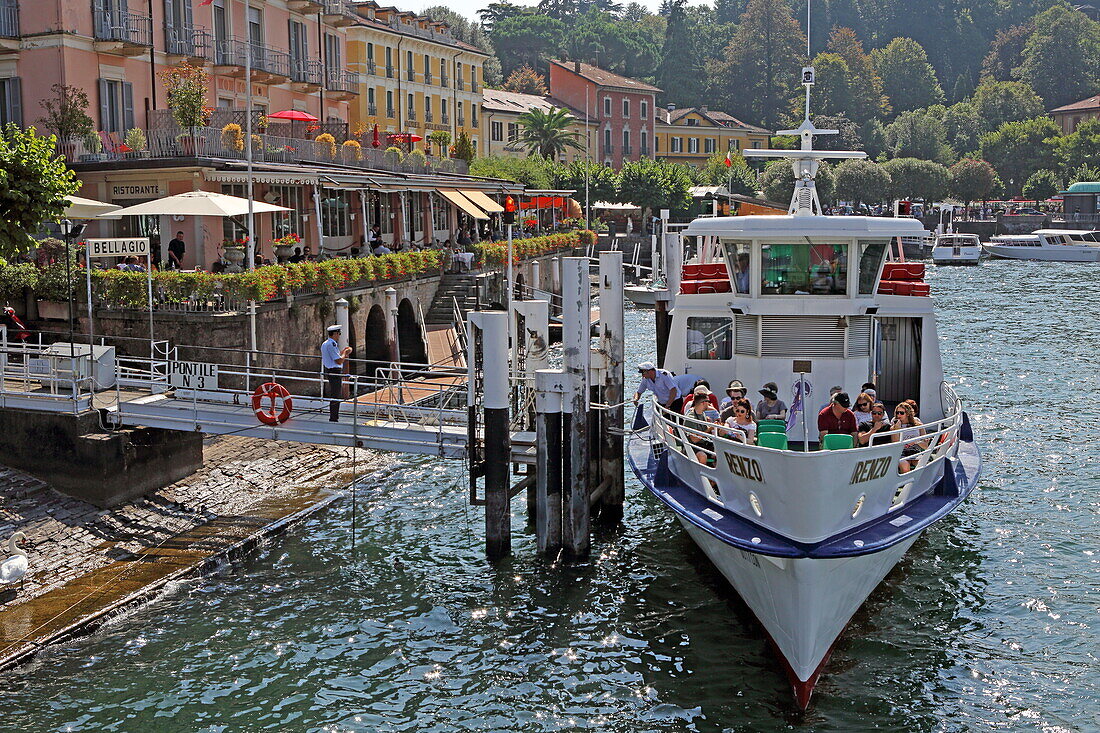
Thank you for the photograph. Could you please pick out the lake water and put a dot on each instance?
(989, 623)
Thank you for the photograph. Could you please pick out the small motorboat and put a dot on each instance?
(957, 249)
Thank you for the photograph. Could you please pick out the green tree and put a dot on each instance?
(1041, 185)
(1018, 149)
(655, 184)
(680, 73)
(1083, 172)
(873, 136)
(998, 102)
(918, 134)
(464, 148)
(1081, 147)
(777, 182)
(760, 66)
(67, 113)
(865, 85)
(532, 172)
(526, 40)
(525, 80)
(603, 182)
(971, 180)
(832, 94)
(1006, 52)
(33, 185)
(495, 12)
(908, 80)
(847, 137)
(547, 133)
(1061, 60)
(738, 177)
(962, 126)
(861, 181)
(911, 179)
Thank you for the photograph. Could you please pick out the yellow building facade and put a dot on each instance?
(693, 134)
(500, 128)
(416, 78)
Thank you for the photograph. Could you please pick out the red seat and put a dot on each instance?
(921, 289)
(886, 287)
(689, 287)
(903, 271)
(721, 286)
(692, 272)
(903, 287)
(706, 288)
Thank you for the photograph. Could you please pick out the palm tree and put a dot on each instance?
(547, 133)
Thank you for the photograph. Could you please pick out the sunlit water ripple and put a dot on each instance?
(987, 624)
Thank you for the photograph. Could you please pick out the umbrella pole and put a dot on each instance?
(248, 161)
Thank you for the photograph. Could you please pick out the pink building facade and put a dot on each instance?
(624, 108)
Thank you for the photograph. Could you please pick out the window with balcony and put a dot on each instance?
(412, 108)
(221, 27)
(443, 72)
(370, 58)
(496, 131)
(255, 26)
(390, 111)
(459, 84)
(461, 117)
(333, 57)
(626, 142)
(410, 72)
(607, 106)
(11, 101)
(427, 69)
(607, 138)
(389, 62)
(179, 27)
(299, 48)
(473, 114)
(116, 105)
(643, 143)
(443, 116)
(372, 106)
(428, 116)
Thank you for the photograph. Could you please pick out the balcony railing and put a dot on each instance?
(129, 28)
(265, 60)
(306, 71)
(608, 149)
(391, 113)
(410, 74)
(372, 69)
(167, 141)
(443, 80)
(194, 43)
(410, 115)
(460, 85)
(342, 80)
(626, 150)
(428, 117)
(372, 109)
(643, 150)
(473, 86)
(389, 71)
(445, 119)
(9, 19)
(461, 121)
(427, 77)
(339, 12)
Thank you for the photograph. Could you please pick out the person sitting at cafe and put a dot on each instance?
(380, 249)
(871, 432)
(771, 407)
(837, 418)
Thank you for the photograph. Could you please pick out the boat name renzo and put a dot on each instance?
(869, 470)
(745, 468)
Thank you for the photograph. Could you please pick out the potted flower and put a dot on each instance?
(67, 117)
(93, 145)
(234, 252)
(137, 143)
(186, 88)
(352, 149)
(284, 246)
(326, 145)
(233, 138)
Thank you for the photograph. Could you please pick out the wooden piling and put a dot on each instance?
(576, 338)
(548, 483)
(613, 347)
(493, 327)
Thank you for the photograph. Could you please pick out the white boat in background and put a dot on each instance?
(1047, 245)
(957, 249)
(805, 534)
(644, 293)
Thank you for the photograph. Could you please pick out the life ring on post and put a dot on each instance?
(271, 391)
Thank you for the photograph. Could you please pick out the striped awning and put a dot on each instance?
(261, 177)
(483, 201)
(464, 204)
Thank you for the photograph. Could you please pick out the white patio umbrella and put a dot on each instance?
(198, 203)
(80, 208)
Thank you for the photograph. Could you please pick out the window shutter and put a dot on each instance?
(15, 99)
(127, 106)
(188, 15)
(101, 21)
(123, 7)
(104, 105)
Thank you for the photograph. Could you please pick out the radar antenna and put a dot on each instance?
(806, 160)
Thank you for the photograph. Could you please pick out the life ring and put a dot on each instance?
(271, 391)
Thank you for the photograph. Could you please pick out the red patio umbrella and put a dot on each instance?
(375, 142)
(293, 114)
(404, 137)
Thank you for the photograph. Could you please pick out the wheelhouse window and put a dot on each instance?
(871, 254)
(740, 264)
(709, 338)
(804, 268)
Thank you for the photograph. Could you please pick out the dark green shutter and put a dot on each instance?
(104, 105)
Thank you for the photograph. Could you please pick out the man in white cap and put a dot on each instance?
(661, 384)
(332, 362)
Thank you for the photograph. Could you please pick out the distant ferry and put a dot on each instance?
(1049, 245)
(804, 529)
(957, 249)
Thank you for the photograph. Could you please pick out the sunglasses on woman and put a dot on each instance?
(878, 412)
(742, 412)
(862, 404)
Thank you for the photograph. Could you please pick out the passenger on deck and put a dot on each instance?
(837, 418)
(870, 431)
(741, 277)
(660, 383)
(734, 391)
(771, 407)
(905, 420)
(699, 419)
(862, 409)
(741, 425)
(833, 392)
(685, 384)
(701, 387)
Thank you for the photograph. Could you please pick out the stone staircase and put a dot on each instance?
(454, 285)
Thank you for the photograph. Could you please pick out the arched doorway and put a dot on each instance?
(376, 347)
(409, 336)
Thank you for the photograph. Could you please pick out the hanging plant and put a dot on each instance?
(327, 144)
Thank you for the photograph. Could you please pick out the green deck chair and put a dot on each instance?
(838, 441)
(772, 440)
(771, 426)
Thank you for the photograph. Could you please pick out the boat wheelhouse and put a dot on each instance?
(957, 249)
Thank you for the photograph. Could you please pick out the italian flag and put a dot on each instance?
(729, 159)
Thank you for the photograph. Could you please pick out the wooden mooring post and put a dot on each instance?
(548, 461)
(613, 351)
(490, 330)
(576, 340)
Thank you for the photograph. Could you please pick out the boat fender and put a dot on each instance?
(271, 391)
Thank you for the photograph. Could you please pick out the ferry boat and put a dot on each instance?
(1048, 245)
(802, 528)
(957, 249)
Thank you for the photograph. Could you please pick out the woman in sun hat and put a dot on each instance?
(771, 407)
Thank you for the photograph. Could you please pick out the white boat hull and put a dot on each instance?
(642, 295)
(804, 604)
(1054, 253)
(956, 255)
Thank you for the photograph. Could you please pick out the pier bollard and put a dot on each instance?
(498, 442)
(576, 338)
(613, 347)
(549, 385)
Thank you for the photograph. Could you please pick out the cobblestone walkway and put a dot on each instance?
(68, 538)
